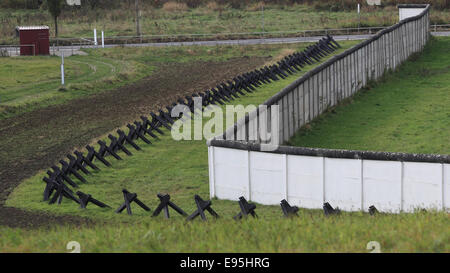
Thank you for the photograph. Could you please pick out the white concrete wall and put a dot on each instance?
(408, 12)
(309, 181)
(373, 2)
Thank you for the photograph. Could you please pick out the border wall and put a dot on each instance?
(308, 177)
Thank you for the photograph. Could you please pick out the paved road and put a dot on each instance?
(70, 50)
(255, 41)
(441, 33)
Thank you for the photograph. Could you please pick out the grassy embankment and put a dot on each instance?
(152, 170)
(407, 111)
(210, 18)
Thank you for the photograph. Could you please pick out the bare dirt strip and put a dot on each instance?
(36, 140)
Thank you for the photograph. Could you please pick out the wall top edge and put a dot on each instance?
(333, 153)
(411, 6)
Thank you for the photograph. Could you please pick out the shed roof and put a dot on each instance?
(20, 28)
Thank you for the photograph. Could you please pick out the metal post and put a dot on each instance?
(359, 17)
(138, 25)
(103, 39)
(62, 68)
(95, 37)
(262, 13)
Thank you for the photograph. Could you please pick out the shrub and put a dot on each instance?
(194, 3)
(255, 6)
(212, 5)
(235, 4)
(4, 52)
(172, 6)
(20, 4)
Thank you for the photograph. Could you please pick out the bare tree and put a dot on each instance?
(138, 25)
(55, 7)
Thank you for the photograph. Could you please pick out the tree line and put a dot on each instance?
(55, 7)
(110, 4)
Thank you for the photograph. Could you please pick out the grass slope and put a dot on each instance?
(28, 83)
(151, 170)
(407, 111)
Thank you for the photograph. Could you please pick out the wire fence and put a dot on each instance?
(15, 50)
(77, 43)
(192, 37)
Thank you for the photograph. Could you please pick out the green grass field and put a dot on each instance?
(407, 111)
(158, 159)
(151, 170)
(311, 232)
(212, 18)
(28, 83)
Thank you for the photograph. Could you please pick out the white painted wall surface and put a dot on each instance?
(382, 185)
(270, 169)
(422, 186)
(446, 190)
(373, 2)
(343, 185)
(230, 166)
(409, 12)
(309, 181)
(305, 181)
(73, 2)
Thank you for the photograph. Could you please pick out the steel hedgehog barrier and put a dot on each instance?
(60, 179)
(309, 177)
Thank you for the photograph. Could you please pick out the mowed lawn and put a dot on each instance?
(407, 111)
(29, 83)
(180, 168)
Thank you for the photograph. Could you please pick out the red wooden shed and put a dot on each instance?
(34, 40)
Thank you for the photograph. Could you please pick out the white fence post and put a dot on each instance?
(62, 68)
(95, 37)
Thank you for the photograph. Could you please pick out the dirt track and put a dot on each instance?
(36, 140)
